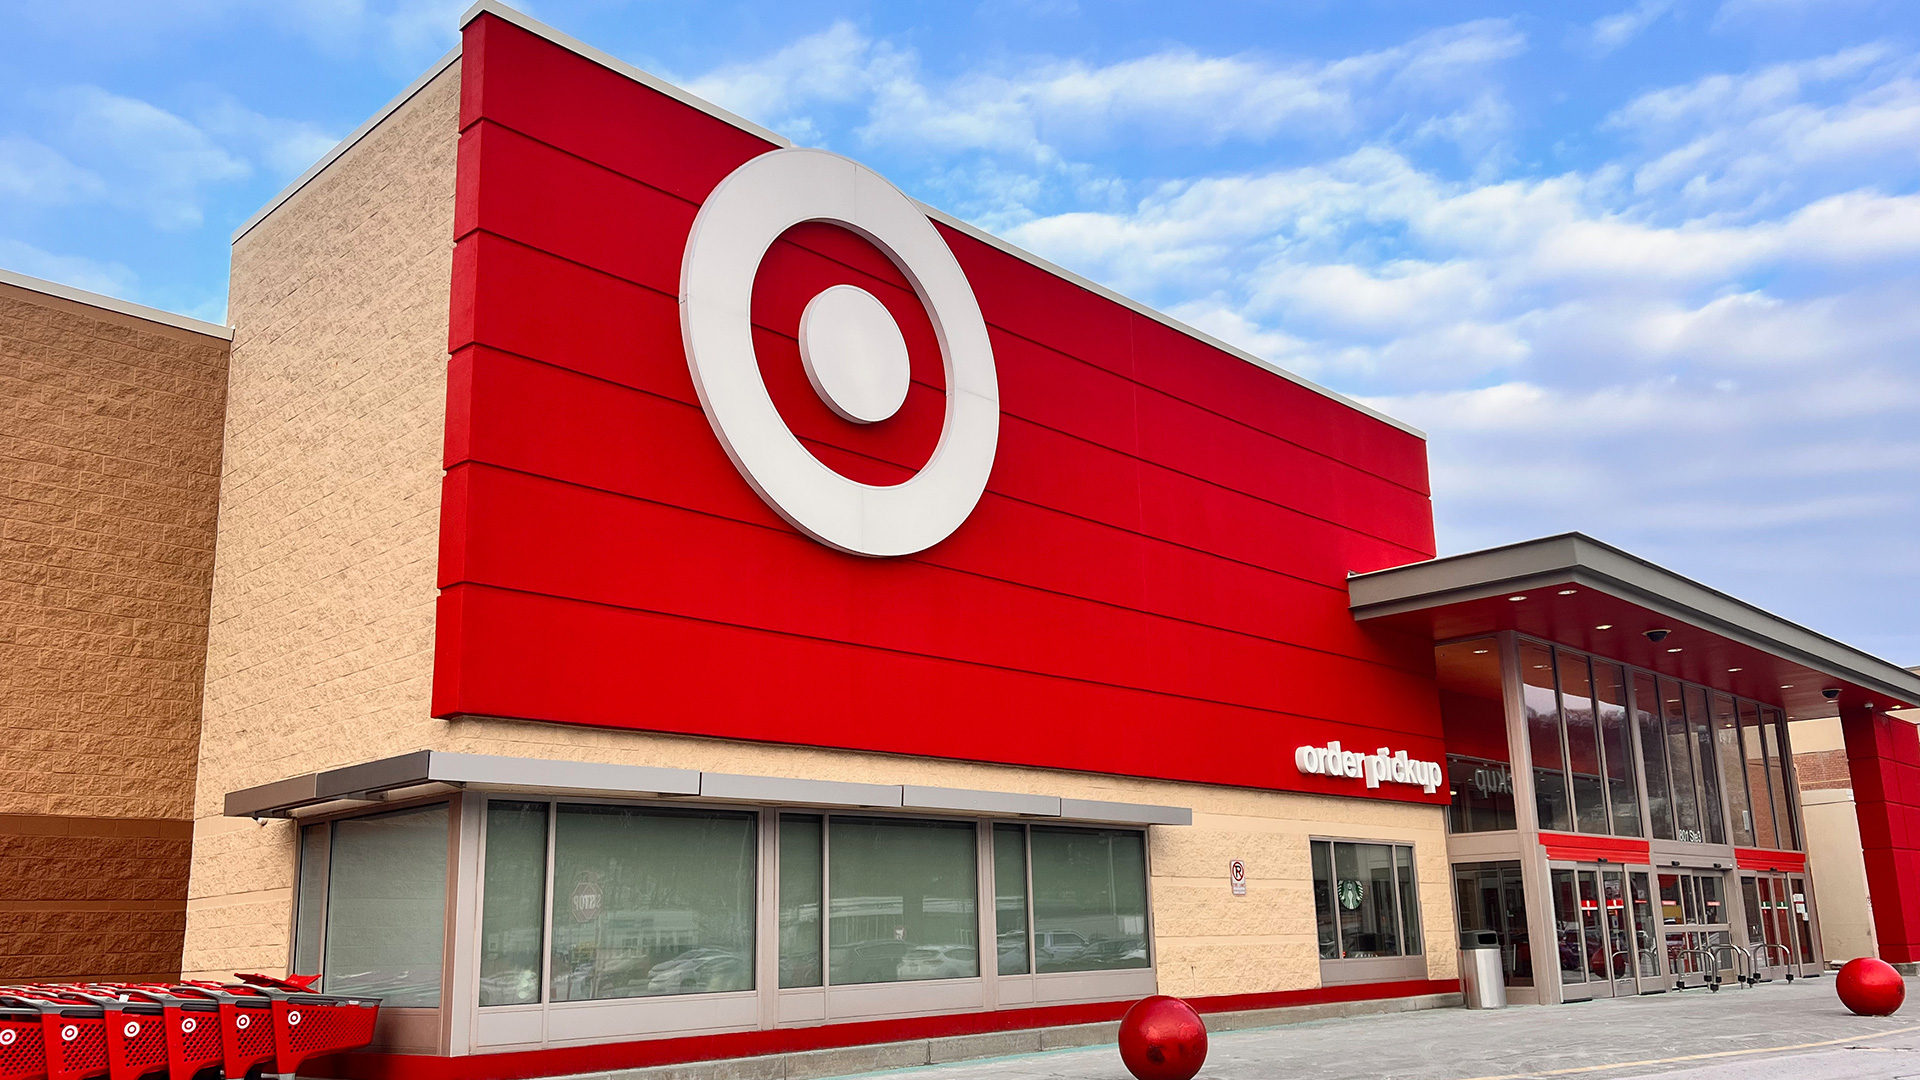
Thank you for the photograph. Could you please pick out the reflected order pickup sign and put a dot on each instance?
(911, 492)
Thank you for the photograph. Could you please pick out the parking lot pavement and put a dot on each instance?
(1774, 1031)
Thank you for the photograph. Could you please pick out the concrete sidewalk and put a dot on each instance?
(1797, 1031)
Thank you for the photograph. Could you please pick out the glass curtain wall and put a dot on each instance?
(1717, 767)
(1581, 740)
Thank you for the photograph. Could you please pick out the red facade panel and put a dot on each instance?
(1152, 585)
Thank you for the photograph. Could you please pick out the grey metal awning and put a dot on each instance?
(426, 772)
(1579, 591)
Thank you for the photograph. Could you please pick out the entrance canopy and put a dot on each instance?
(1577, 591)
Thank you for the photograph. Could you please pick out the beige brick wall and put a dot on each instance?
(110, 429)
(320, 647)
(323, 600)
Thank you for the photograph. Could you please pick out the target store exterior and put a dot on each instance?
(678, 599)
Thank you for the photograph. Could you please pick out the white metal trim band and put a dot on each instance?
(348, 143)
(121, 307)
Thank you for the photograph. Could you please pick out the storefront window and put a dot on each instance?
(901, 901)
(1706, 770)
(1358, 890)
(1616, 743)
(513, 903)
(1686, 790)
(1774, 735)
(1753, 749)
(310, 908)
(1473, 717)
(1583, 742)
(1323, 902)
(1010, 897)
(386, 906)
(1543, 737)
(650, 902)
(1733, 772)
(801, 883)
(1089, 899)
(1653, 750)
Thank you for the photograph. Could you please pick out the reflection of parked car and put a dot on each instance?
(940, 962)
(699, 971)
(1058, 946)
(869, 961)
(1113, 953)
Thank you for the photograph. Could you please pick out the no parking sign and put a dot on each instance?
(1237, 877)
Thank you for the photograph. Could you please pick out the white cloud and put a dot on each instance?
(1739, 143)
(32, 172)
(110, 278)
(163, 162)
(286, 147)
(1045, 109)
(1612, 31)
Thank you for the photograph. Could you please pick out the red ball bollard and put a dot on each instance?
(1162, 1038)
(1871, 987)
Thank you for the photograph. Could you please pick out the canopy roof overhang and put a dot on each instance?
(1577, 591)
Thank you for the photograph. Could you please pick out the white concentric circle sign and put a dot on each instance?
(853, 352)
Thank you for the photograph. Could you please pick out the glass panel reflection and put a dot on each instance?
(1616, 742)
(1010, 897)
(1543, 737)
(801, 882)
(901, 900)
(513, 903)
(386, 906)
(1583, 742)
(1733, 771)
(651, 902)
(1653, 749)
(1089, 899)
(1473, 718)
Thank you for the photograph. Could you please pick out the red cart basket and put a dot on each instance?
(73, 1038)
(282, 1021)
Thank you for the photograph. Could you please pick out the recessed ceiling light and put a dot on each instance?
(1736, 669)
(1786, 686)
(1539, 667)
(1479, 652)
(1673, 650)
(1516, 598)
(1604, 626)
(1568, 592)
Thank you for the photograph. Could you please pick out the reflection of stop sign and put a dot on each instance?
(586, 901)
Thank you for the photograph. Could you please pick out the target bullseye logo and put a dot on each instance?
(853, 352)
(69, 1033)
(188, 1024)
(7, 1036)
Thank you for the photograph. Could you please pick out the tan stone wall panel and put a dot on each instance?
(320, 648)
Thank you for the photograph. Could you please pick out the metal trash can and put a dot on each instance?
(1481, 980)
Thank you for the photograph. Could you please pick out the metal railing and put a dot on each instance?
(1752, 974)
(1761, 950)
(1710, 978)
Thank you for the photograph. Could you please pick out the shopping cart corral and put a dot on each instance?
(256, 1026)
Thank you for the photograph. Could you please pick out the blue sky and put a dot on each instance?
(1646, 269)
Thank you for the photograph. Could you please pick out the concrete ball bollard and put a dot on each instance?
(1162, 1038)
(1871, 987)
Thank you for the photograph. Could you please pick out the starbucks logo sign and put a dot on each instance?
(1351, 894)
